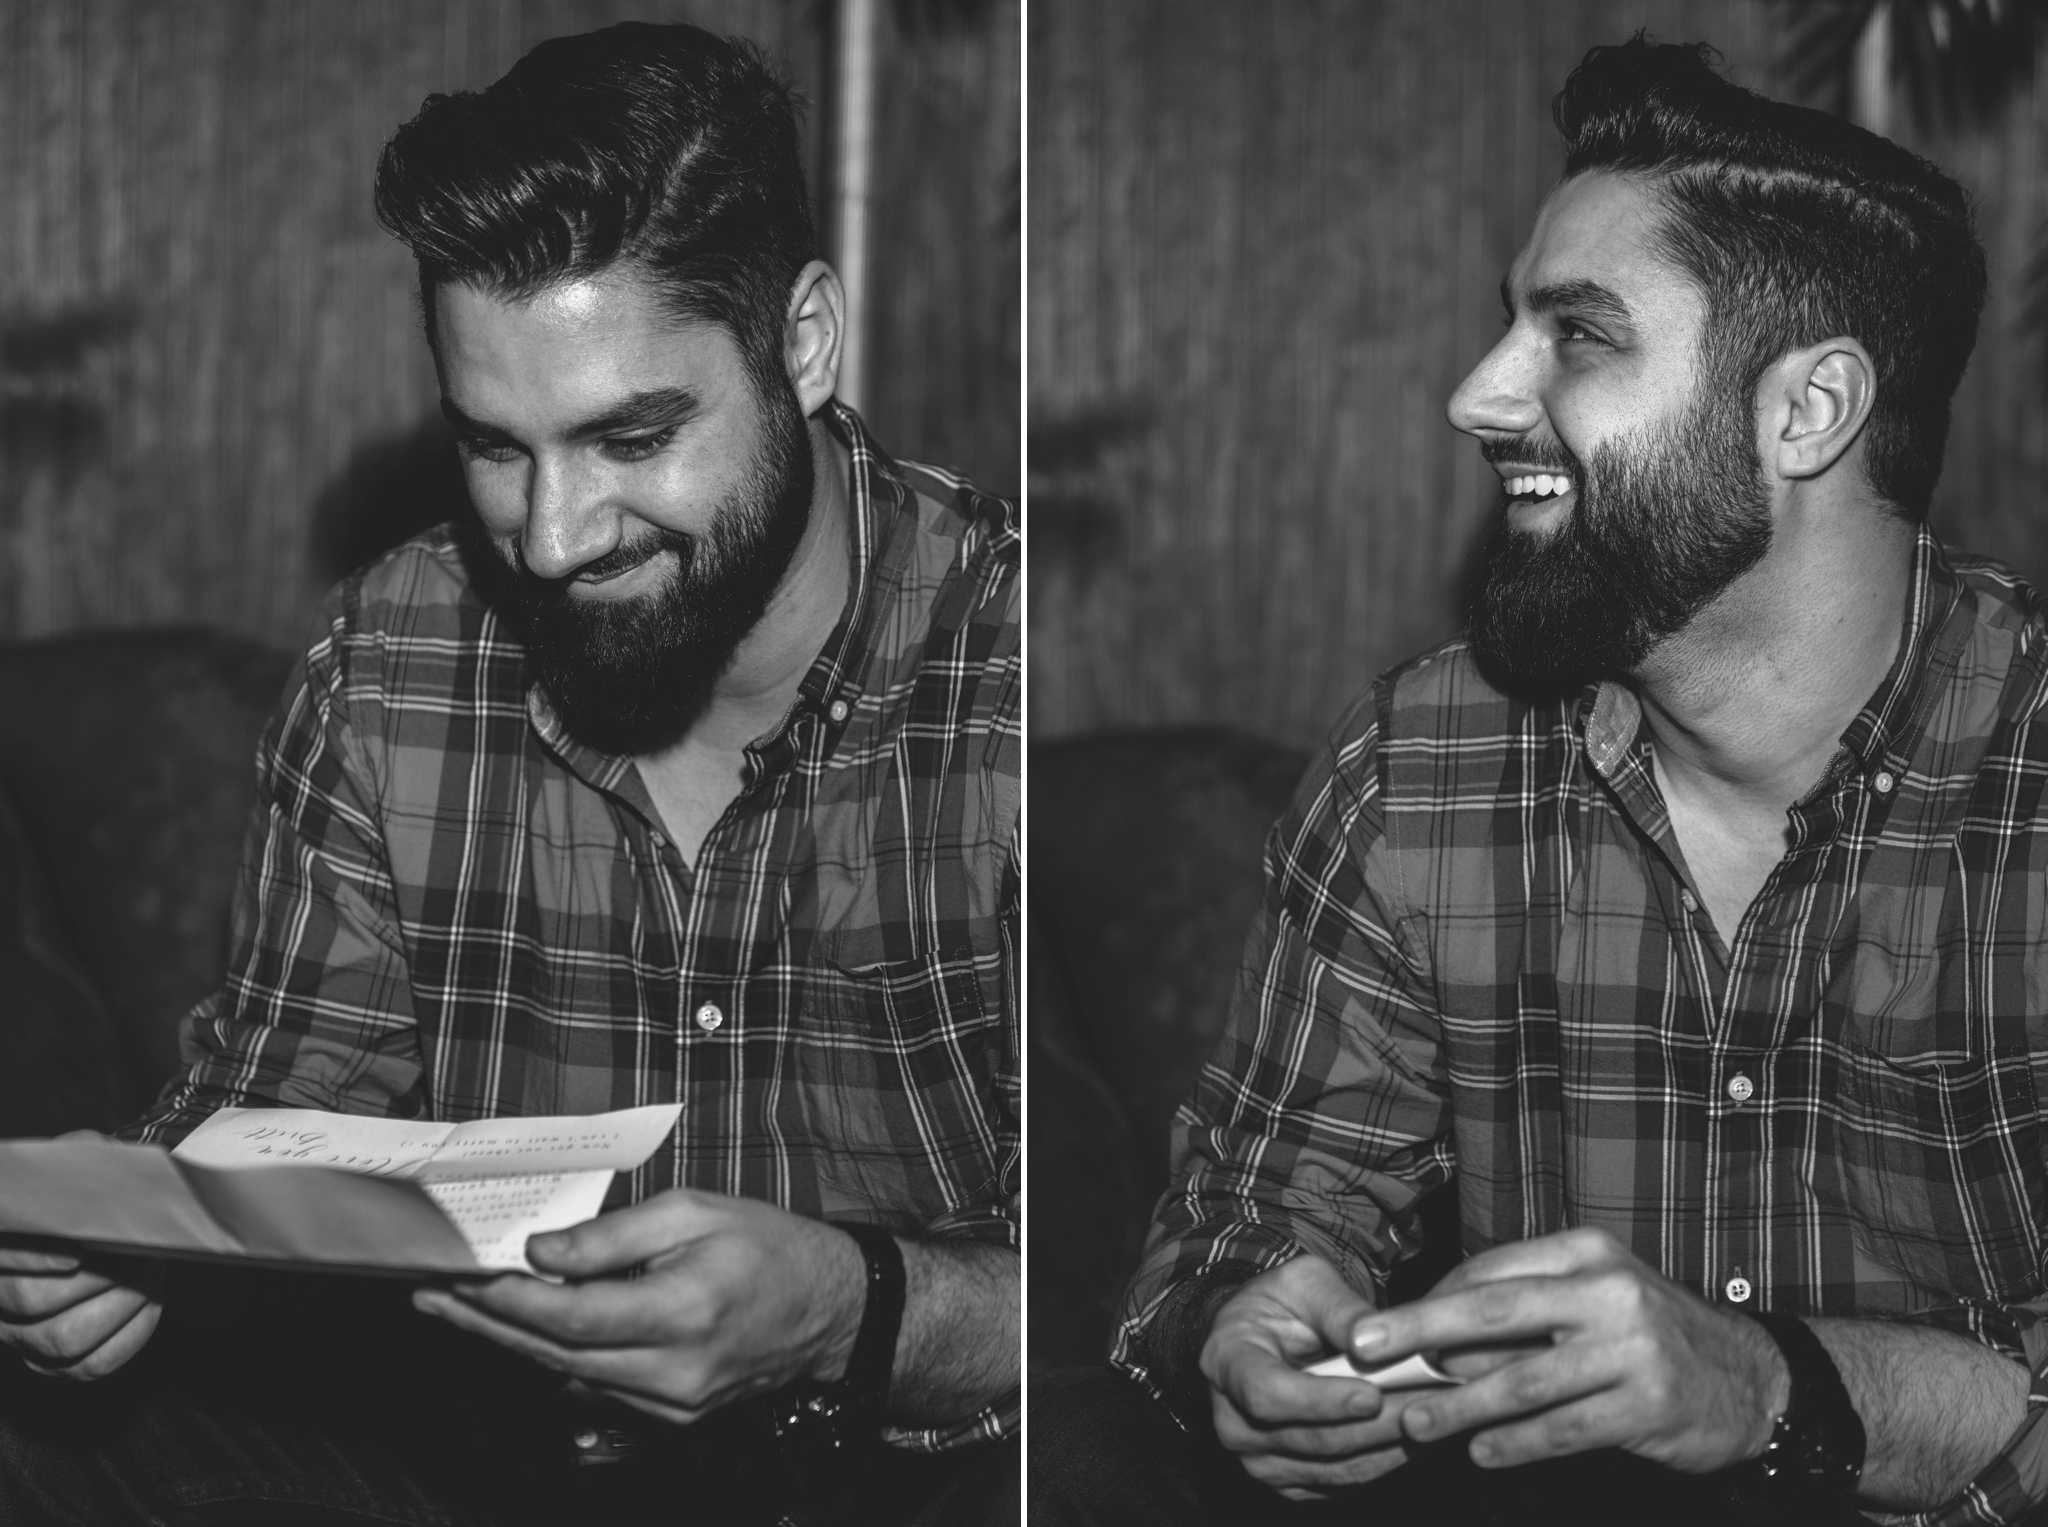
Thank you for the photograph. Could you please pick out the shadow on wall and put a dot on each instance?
(390, 490)
(61, 376)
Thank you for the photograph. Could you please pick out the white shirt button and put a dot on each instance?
(837, 711)
(1740, 1087)
(1738, 1290)
(709, 1017)
(1884, 782)
(1690, 902)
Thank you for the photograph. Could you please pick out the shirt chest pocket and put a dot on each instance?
(895, 1076)
(1941, 1169)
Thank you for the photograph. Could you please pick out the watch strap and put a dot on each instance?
(1819, 1441)
(874, 1346)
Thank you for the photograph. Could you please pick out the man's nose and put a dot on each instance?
(567, 523)
(1500, 394)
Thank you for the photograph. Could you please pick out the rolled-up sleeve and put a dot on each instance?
(1324, 1116)
(316, 1008)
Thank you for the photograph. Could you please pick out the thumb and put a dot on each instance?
(1323, 1301)
(622, 1239)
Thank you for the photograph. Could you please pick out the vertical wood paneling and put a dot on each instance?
(206, 343)
(946, 243)
(1264, 248)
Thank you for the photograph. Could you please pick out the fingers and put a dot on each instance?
(1321, 1297)
(1598, 1421)
(1488, 1314)
(626, 1237)
(1302, 1480)
(1270, 1391)
(121, 1344)
(675, 1386)
(1341, 1439)
(37, 1289)
(1549, 1256)
(28, 1259)
(89, 1338)
(601, 1313)
(1540, 1383)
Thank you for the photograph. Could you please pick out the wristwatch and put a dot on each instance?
(822, 1433)
(874, 1345)
(1817, 1445)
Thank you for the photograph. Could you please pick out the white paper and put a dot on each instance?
(238, 1137)
(497, 1214)
(1414, 1372)
(498, 1180)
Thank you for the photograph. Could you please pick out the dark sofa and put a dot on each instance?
(126, 777)
(1145, 868)
(1143, 874)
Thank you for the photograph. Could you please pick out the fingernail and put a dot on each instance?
(549, 1243)
(1421, 1422)
(1369, 1339)
(1365, 1403)
(1482, 1453)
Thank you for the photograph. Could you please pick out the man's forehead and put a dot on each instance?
(569, 351)
(1599, 230)
(613, 299)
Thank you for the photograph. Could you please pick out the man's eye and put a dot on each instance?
(639, 447)
(481, 448)
(1572, 332)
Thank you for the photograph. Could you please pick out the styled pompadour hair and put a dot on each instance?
(1798, 227)
(664, 147)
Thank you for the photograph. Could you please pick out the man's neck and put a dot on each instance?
(757, 689)
(1750, 701)
(1747, 705)
(694, 780)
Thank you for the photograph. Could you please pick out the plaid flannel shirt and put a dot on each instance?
(450, 909)
(1480, 954)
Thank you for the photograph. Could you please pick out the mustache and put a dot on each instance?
(1539, 455)
(620, 559)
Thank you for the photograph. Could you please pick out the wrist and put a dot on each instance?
(1773, 1388)
(844, 1284)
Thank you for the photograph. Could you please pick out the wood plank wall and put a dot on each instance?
(213, 393)
(1264, 246)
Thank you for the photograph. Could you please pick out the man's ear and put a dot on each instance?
(1814, 403)
(812, 332)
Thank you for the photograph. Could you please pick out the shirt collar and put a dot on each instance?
(1883, 733)
(832, 686)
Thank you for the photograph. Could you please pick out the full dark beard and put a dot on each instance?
(1665, 520)
(630, 675)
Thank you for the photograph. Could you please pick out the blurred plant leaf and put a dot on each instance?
(1951, 62)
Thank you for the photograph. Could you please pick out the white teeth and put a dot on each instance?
(1544, 483)
(1517, 486)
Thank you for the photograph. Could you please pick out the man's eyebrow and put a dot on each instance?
(1588, 298)
(464, 425)
(651, 406)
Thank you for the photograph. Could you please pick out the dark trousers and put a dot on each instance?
(1105, 1454)
(282, 1400)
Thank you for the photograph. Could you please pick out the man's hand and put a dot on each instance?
(1634, 1361)
(1304, 1436)
(73, 1321)
(736, 1297)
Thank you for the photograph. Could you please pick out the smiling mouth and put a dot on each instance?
(1535, 487)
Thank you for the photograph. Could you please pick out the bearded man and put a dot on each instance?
(1685, 917)
(692, 778)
